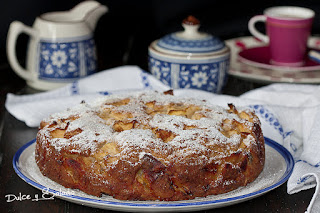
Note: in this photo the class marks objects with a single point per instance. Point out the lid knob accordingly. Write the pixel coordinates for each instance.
(191, 20)
(191, 26)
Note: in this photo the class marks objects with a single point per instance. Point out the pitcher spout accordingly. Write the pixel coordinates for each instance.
(90, 12)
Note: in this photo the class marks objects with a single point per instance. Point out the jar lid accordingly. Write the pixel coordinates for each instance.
(189, 41)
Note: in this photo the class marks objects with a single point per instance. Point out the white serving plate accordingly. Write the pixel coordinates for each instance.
(278, 167)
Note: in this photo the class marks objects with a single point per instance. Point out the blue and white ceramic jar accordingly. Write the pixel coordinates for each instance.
(190, 59)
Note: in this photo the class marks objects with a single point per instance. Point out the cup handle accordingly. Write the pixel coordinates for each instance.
(254, 31)
(15, 29)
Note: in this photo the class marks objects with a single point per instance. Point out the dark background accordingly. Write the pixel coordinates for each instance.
(122, 37)
(124, 33)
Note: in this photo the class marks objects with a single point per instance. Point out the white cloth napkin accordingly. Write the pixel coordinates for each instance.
(290, 114)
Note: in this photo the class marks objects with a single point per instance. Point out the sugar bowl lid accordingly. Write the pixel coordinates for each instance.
(189, 41)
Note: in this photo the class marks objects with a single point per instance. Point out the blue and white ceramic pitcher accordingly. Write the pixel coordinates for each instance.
(61, 47)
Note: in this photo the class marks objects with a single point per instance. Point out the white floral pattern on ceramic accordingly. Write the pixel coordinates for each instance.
(66, 61)
(205, 76)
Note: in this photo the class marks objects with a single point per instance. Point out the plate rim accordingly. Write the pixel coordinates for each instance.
(286, 155)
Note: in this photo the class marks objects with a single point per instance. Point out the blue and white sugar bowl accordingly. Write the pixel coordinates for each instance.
(190, 59)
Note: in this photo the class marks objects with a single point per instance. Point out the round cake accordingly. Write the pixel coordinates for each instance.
(151, 146)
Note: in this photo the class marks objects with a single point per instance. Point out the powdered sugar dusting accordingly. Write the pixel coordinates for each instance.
(146, 123)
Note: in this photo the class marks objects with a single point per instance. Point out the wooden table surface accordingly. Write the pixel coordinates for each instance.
(15, 134)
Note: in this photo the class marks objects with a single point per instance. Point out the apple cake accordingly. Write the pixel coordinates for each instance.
(151, 146)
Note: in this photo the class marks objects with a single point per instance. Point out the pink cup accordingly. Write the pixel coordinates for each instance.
(288, 29)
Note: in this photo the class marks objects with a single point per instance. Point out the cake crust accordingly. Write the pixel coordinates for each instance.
(151, 146)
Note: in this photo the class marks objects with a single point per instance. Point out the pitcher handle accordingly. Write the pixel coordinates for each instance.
(15, 29)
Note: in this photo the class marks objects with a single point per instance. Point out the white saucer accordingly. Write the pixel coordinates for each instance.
(262, 72)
